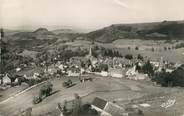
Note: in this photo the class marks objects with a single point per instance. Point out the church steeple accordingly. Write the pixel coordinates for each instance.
(90, 51)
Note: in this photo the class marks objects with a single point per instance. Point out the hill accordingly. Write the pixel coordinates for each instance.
(40, 37)
(156, 31)
(166, 30)
(60, 31)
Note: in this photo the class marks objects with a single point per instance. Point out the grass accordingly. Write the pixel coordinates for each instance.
(111, 89)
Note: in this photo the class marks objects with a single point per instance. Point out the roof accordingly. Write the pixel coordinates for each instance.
(114, 109)
(118, 71)
(100, 103)
(29, 72)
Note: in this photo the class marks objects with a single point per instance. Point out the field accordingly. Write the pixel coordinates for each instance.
(121, 91)
(145, 49)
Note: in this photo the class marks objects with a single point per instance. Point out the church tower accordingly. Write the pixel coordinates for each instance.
(90, 51)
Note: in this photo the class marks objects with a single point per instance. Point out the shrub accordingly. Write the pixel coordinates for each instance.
(136, 48)
(152, 49)
(103, 67)
(148, 68)
(140, 57)
(37, 100)
(93, 112)
(46, 89)
(129, 56)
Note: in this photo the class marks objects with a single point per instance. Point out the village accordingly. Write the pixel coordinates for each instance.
(72, 71)
(117, 67)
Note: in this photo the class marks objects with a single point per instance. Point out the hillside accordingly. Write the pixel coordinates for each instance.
(40, 37)
(60, 31)
(156, 31)
(166, 30)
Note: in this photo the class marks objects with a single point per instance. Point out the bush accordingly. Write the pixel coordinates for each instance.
(46, 89)
(93, 112)
(140, 57)
(148, 68)
(88, 111)
(129, 56)
(180, 45)
(86, 108)
(136, 48)
(31, 82)
(37, 100)
(103, 67)
(152, 49)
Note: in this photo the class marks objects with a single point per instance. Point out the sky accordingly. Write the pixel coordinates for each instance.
(86, 14)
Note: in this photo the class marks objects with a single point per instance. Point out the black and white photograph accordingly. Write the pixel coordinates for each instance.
(91, 58)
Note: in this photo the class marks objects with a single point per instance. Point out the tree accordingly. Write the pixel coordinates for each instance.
(46, 89)
(86, 107)
(129, 56)
(136, 48)
(82, 64)
(103, 67)
(175, 78)
(76, 105)
(140, 57)
(152, 49)
(148, 68)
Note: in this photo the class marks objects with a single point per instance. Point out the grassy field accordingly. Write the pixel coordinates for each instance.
(111, 89)
(145, 49)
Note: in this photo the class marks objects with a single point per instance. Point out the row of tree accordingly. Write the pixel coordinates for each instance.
(167, 79)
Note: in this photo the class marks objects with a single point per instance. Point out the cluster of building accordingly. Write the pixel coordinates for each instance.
(104, 66)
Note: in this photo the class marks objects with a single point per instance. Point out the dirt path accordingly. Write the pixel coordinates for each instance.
(15, 95)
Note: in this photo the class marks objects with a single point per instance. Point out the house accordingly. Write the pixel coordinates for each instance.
(73, 74)
(169, 70)
(138, 76)
(30, 73)
(52, 70)
(6, 79)
(107, 108)
(18, 69)
(73, 71)
(135, 75)
(115, 72)
(114, 109)
(61, 67)
(99, 105)
(104, 73)
(131, 72)
(82, 70)
(156, 64)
